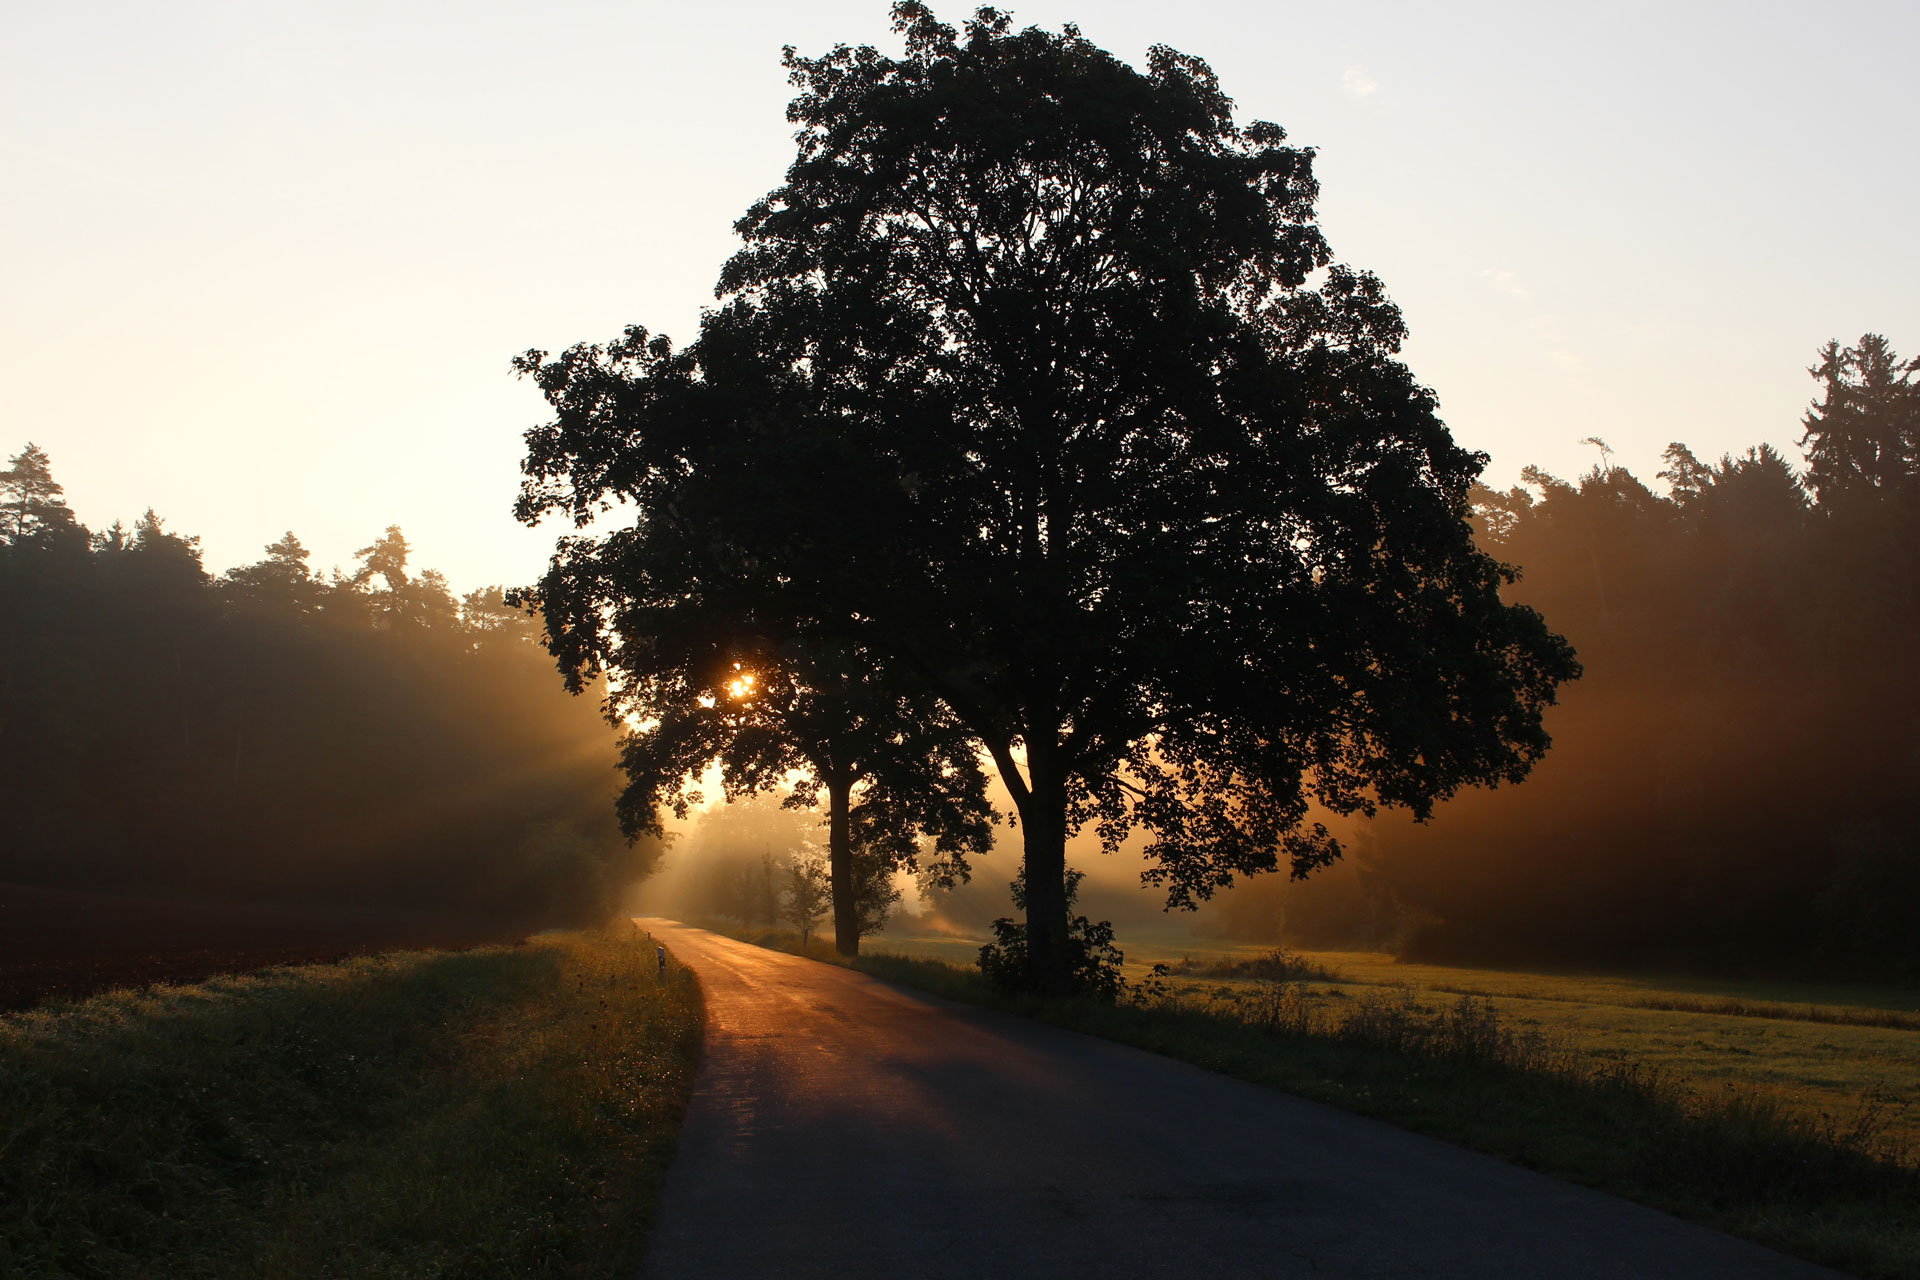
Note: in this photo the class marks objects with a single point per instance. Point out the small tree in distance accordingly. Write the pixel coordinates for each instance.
(874, 894)
(807, 895)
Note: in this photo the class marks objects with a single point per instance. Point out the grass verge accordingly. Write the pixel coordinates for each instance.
(505, 1111)
(1832, 1189)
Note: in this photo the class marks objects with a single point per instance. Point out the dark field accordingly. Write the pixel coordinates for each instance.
(72, 943)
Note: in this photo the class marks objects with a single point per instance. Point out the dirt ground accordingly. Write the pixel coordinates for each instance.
(70, 943)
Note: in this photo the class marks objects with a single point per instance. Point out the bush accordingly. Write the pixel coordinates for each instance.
(1093, 962)
(1279, 964)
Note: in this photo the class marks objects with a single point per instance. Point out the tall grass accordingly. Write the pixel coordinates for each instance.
(499, 1112)
(1278, 963)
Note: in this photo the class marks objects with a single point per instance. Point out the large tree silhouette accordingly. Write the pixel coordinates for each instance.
(1037, 377)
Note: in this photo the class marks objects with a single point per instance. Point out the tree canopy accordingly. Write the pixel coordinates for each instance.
(898, 781)
(1862, 437)
(31, 501)
(1037, 380)
(713, 665)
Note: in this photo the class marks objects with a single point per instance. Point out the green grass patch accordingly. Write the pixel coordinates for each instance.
(1839, 1187)
(505, 1111)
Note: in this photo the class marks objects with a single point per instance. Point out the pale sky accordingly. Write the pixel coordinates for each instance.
(263, 265)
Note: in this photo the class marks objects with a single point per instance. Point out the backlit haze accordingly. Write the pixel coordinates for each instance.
(265, 265)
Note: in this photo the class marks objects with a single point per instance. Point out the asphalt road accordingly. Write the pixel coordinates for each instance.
(845, 1128)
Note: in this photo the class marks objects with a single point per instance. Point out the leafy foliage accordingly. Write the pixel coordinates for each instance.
(806, 897)
(708, 674)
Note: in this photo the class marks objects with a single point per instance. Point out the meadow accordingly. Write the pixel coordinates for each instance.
(501, 1111)
(1851, 1054)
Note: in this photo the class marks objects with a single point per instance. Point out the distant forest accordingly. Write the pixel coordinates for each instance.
(1735, 782)
(363, 738)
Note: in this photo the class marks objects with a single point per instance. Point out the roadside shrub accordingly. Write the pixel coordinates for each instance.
(1093, 962)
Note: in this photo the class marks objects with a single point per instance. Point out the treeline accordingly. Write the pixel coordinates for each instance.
(1735, 782)
(273, 733)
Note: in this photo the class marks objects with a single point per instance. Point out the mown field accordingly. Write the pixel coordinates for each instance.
(502, 1111)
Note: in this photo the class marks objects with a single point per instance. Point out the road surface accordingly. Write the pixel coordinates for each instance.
(842, 1127)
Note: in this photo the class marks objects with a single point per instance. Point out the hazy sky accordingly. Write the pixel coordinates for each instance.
(264, 264)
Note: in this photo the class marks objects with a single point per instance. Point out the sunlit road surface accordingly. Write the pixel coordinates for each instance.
(842, 1127)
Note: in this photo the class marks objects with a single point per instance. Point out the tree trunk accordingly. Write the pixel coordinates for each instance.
(846, 915)
(1044, 820)
(239, 743)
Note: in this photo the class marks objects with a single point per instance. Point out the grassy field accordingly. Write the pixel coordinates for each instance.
(1848, 1053)
(505, 1111)
(1804, 1144)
